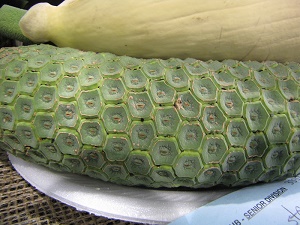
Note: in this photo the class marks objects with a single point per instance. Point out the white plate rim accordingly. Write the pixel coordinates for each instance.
(113, 201)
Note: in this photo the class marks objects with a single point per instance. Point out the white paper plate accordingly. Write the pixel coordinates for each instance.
(115, 201)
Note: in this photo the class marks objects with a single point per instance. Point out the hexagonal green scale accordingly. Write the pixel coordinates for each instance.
(264, 79)
(234, 160)
(13, 141)
(274, 101)
(178, 79)
(68, 141)
(248, 89)
(141, 134)
(7, 117)
(163, 174)
(153, 69)
(276, 156)
(130, 62)
(293, 66)
(289, 89)
(270, 175)
(294, 143)
(278, 129)
(167, 120)
(115, 171)
(188, 164)
(142, 180)
(45, 125)
(164, 150)
(294, 112)
(229, 63)
(205, 89)
(139, 162)
(278, 70)
(45, 98)
(116, 118)
(90, 102)
(135, 79)
(15, 69)
(92, 156)
(73, 66)
(58, 166)
(49, 150)
(237, 132)
(172, 63)
(140, 105)
(6, 59)
(96, 173)
(192, 61)
(111, 69)
(256, 144)
(292, 164)
(224, 79)
(254, 65)
(38, 48)
(190, 135)
(188, 106)
(296, 76)
(8, 91)
(228, 178)
(37, 156)
(51, 72)
(256, 116)
(113, 90)
(251, 170)
(92, 132)
(231, 102)
(94, 59)
(162, 93)
(213, 148)
(213, 119)
(67, 114)
(26, 135)
(240, 71)
(28, 83)
(38, 61)
(184, 182)
(68, 87)
(61, 57)
(117, 147)
(110, 57)
(196, 68)
(74, 163)
(210, 174)
(214, 65)
(89, 77)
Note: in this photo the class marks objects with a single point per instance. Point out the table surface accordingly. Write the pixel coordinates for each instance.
(20, 203)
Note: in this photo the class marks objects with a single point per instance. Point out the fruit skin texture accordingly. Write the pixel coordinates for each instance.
(151, 122)
(242, 30)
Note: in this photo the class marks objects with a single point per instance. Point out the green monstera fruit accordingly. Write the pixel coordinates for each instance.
(151, 122)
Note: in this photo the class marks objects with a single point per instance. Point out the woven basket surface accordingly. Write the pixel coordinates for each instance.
(21, 203)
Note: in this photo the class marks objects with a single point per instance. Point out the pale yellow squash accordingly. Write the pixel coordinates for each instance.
(203, 29)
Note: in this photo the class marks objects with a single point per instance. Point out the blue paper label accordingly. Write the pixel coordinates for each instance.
(274, 203)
